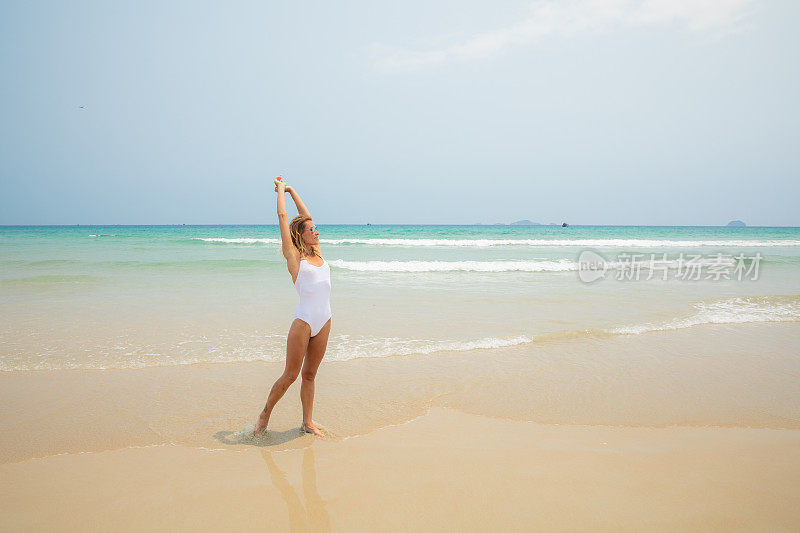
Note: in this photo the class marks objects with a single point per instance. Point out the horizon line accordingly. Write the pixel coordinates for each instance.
(396, 224)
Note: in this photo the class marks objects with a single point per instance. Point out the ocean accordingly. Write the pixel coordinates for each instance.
(125, 297)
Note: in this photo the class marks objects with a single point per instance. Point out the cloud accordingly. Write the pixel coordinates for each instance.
(547, 18)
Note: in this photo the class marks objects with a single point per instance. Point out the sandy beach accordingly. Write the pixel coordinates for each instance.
(532, 437)
(443, 471)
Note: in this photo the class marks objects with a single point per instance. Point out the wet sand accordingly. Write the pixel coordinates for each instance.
(697, 428)
(444, 471)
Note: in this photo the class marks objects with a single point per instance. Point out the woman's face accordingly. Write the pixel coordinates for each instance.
(310, 234)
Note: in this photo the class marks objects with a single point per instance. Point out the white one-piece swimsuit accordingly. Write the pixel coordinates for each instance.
(313, 284)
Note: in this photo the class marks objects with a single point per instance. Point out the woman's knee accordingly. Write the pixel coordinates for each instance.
(308, 375)
(289, 377)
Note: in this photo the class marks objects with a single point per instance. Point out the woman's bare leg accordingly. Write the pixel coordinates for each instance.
(316, 350)
(296, 344)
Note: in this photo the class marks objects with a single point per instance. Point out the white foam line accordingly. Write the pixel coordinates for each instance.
(344, 348)
(340, 349)
(731, 311)
(562, 265)
(480, 243)
(238, 241)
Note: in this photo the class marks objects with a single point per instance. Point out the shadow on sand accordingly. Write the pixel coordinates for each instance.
(268, 438)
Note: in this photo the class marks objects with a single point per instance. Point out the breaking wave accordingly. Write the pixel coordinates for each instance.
(482, 243)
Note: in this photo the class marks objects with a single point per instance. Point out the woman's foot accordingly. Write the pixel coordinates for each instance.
(311, 428)
(261, 425)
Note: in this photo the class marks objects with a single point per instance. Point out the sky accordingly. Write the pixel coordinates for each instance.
(642, 112)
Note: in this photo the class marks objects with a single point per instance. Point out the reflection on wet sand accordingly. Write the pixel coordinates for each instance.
(312, 517)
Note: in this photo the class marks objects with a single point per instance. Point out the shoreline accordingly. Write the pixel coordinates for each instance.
(707, 376)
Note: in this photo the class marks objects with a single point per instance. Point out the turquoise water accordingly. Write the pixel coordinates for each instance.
(133, 296)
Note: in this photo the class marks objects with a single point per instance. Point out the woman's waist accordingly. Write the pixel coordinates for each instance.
(314, 307)
(315, 299)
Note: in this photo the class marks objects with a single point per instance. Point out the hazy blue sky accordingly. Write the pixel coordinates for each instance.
(589, 111)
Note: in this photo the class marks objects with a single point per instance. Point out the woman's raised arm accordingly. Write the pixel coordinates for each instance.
(301, 207)
(289, 251)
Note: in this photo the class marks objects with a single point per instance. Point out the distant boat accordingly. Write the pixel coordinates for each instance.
(564, 225)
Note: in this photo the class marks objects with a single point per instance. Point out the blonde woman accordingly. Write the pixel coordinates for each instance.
(308, 334)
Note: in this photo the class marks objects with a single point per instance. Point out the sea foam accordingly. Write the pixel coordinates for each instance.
(561, 265)
(271, 347)
(728, 311)
(482, 243)
(452, 266)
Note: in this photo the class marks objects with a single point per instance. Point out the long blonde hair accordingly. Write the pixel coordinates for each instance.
(296, 228)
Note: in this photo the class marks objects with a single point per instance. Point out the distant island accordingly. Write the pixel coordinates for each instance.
(525, 222)
(736, 224)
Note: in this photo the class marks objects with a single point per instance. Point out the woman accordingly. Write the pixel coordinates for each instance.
(308, 334)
